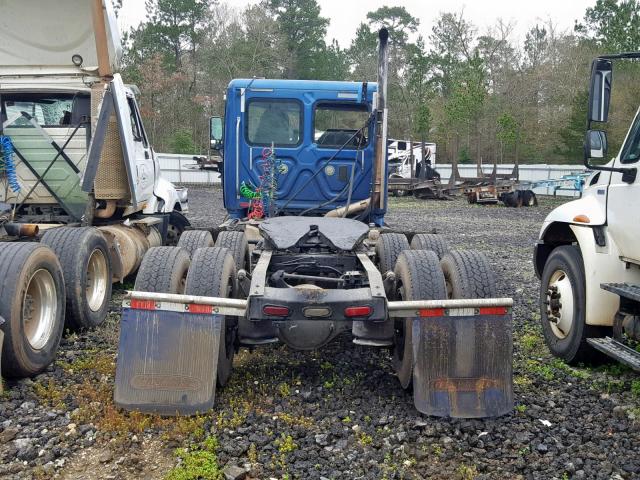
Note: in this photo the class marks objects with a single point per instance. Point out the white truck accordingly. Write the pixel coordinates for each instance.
(81, 194)
(588, 253)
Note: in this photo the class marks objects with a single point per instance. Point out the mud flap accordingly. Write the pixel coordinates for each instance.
(1, 342)
(463, 362)
(167, 360)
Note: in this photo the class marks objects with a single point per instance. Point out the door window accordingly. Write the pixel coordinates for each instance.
(631, 150)
(274, 121)
(136, 122)
(337, 125)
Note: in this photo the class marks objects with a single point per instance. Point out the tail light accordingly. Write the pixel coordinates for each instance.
(361, 311)
(275, 311)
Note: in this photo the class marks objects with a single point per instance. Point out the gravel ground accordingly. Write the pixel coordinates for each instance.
(338, 413)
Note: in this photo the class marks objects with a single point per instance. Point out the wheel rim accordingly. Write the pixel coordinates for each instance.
(173, 233)
(96, 286)
(39, 308)
(559, 303)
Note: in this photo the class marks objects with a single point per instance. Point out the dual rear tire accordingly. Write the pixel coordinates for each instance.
(195, 267)
(432, 273)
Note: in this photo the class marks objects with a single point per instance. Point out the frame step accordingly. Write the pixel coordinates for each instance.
(624, 290)
(617, 350)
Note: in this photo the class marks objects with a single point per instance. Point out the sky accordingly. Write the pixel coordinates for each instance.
(346, 15)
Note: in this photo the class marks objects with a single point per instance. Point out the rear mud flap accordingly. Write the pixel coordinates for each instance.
(463, 364)
(167, 361)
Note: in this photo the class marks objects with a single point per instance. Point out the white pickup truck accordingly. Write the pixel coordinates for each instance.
(588, 253)
(81, 193)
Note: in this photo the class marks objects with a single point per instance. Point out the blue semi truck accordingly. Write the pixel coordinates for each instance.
(305, 256)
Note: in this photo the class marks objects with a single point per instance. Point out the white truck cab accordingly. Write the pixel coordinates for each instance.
(82, 197)
(588, 255)
(52, 84)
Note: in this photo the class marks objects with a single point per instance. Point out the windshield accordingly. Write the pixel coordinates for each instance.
(631, 150)
(48, 111)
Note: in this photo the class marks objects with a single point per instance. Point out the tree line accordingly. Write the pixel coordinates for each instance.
(477, 94)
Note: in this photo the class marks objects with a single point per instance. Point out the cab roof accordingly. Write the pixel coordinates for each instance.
(265, 83)
(40, 38)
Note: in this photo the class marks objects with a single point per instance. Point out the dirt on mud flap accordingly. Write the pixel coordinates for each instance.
(167, 357)
(462, 351)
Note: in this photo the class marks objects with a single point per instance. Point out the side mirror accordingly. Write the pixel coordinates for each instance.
(600, 90)
(215, 132)
(595, 144)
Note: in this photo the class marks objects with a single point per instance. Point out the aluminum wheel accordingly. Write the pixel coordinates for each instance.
(560, 303)
(39, 308)
(96, 286)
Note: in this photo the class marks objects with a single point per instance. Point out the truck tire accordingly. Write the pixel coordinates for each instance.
(418, 277)
(191, 240)
(430, 241)
(529, 198)
(467, 274)
(84, 255)
(513, 199)
(567, 338)
(163, 270)
(388, 249)
(177, 225)
(212, 274)
(236, 243)
(32, 303)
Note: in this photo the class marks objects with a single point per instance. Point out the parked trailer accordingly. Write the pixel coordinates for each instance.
(305, 257)
(81, 195)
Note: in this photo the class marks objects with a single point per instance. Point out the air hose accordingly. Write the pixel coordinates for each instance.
(6, 164)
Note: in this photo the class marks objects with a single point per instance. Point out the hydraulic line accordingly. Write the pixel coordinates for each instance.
(7, 166)
(330, 159)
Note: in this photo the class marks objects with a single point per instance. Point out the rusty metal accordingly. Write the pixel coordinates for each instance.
(21, 229)
(463, 365)
(379, 177)
(128, 244)
(107, 211)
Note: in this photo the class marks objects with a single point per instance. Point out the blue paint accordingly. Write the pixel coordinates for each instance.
(302, 159)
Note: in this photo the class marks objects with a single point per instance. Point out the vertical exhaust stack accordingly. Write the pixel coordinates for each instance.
(380, 178)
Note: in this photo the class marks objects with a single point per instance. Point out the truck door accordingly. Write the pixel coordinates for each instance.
(144, 159)
(137, 154)
(623, 206)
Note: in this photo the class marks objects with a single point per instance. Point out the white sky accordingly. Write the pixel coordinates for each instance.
(346, 15)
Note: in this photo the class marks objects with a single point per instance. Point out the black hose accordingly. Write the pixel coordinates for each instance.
(311, 209)
(317, 172)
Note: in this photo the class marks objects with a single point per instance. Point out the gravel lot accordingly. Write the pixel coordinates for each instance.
(338, 413)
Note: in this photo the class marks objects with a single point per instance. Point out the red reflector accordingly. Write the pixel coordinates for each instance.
(143, 304)
(364, 311)
(493, 310)
(432, 312)
(198, 308)
(275, 311)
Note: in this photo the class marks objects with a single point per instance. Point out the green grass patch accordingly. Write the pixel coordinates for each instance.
(199, 463)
